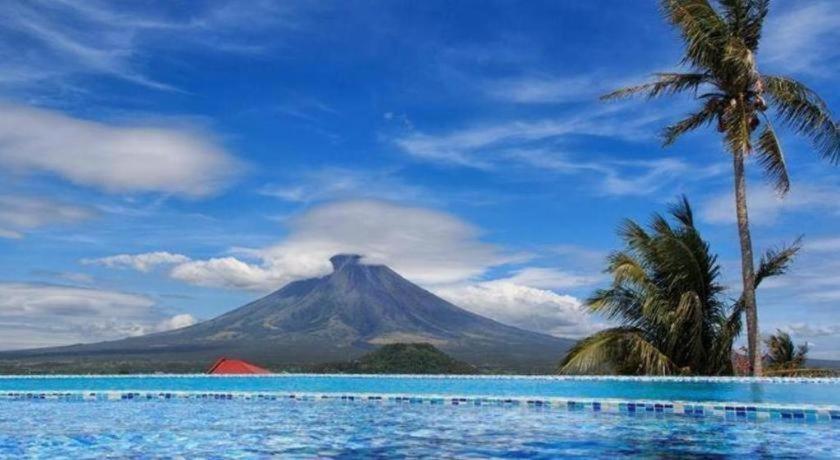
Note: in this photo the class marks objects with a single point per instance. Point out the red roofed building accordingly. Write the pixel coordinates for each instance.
(235, 366)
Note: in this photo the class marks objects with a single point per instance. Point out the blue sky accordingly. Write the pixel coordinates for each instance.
(163, 162)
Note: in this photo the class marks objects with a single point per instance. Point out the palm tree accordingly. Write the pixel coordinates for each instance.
(667, 297)
(781, 353)
(721, 43)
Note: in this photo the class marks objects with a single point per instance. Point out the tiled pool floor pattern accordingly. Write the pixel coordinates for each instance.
(734, 411)
(215, 427)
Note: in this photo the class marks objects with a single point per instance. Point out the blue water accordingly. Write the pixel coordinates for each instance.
(306, 429)
(242, 428)
(822, 393)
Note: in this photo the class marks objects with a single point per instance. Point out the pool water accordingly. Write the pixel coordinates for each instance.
(334, 428)
(780, 391)
(413, 416)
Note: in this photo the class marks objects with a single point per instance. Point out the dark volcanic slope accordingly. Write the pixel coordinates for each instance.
(336, 317)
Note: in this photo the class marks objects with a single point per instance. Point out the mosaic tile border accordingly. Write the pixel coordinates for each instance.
(617, 378)
(701, 410)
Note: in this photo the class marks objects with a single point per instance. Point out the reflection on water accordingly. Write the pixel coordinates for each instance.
(756, 392)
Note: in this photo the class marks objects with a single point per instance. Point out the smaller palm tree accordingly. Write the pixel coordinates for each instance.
(782, 355)
(667, 296)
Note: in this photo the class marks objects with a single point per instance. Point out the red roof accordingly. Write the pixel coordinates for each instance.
(235, 366)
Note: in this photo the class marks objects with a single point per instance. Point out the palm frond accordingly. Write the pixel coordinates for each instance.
(700, 118)
(756, 12)
(771, 158)
(681, 210)
(618, 303)
(745, 19)
(805, 112)
(776, 261)
(623, 349)
(687, 327)
(666, 83)
(702, 30)
(626, 269)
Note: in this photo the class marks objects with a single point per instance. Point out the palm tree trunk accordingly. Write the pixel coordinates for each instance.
(747, 270)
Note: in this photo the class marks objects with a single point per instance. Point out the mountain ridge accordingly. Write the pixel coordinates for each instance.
(340, 316)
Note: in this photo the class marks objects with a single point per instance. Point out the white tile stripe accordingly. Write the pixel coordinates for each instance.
(761, 411)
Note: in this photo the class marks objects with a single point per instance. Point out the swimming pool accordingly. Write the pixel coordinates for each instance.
(363, 416)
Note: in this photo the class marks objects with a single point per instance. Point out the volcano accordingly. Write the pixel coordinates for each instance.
(338, 317)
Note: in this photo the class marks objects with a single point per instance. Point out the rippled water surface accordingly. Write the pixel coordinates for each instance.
(288, 428)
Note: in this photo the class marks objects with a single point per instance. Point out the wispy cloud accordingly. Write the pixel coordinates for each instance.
(766, 206)
(505, 147)
(473, 146)
(811, 330)
(551, 278)
(543, 90)
(19, 214)
(335, 183)
(69, 38)
(803, 38)
(823, 245)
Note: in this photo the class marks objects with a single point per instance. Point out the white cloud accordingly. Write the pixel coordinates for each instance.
(803, 39)
(21, 213)
(522, 306)
(140, 262)
(110, 157)
(426, 246)
(35, 315)
(176, 322)
(230, 272)
(765, 205)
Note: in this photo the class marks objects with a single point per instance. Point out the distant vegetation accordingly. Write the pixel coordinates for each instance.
(784, 359)
(399, 358)
(403, 358)
(782, 354)
(667, 295)
(101, 366)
